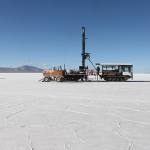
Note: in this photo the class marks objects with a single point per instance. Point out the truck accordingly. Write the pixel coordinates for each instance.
(60, 75)
(115, 72)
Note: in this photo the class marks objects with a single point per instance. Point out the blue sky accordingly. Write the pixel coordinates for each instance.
(48, 32)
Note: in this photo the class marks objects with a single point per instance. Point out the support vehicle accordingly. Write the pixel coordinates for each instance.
(116, 72)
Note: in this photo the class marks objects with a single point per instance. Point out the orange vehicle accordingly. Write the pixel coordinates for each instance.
(63, 75)
(57, 75)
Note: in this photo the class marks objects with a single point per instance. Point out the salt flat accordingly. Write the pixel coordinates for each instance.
(74, 115)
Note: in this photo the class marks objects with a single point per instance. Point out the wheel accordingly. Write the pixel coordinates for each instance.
(125, 79)
(46, 79)
(106, 79)
(115, 79)
(110, 79)
(59, 79)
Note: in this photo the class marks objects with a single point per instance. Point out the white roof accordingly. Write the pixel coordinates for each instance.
(114, 64)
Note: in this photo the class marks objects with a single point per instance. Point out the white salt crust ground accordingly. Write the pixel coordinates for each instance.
(74, 115)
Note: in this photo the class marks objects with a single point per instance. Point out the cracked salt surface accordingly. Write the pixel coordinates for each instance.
(74, 116)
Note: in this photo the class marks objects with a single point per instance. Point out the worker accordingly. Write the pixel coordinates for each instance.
(98, 70)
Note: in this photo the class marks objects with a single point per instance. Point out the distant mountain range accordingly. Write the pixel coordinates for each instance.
(22, 69)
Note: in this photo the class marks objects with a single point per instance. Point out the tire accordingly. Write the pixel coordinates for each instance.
(106, 79)
(109, 79)
(59, 79)
(46, 79)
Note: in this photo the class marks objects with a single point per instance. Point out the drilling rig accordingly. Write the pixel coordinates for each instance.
(108, 72)
(84, 54)
(58, 74)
